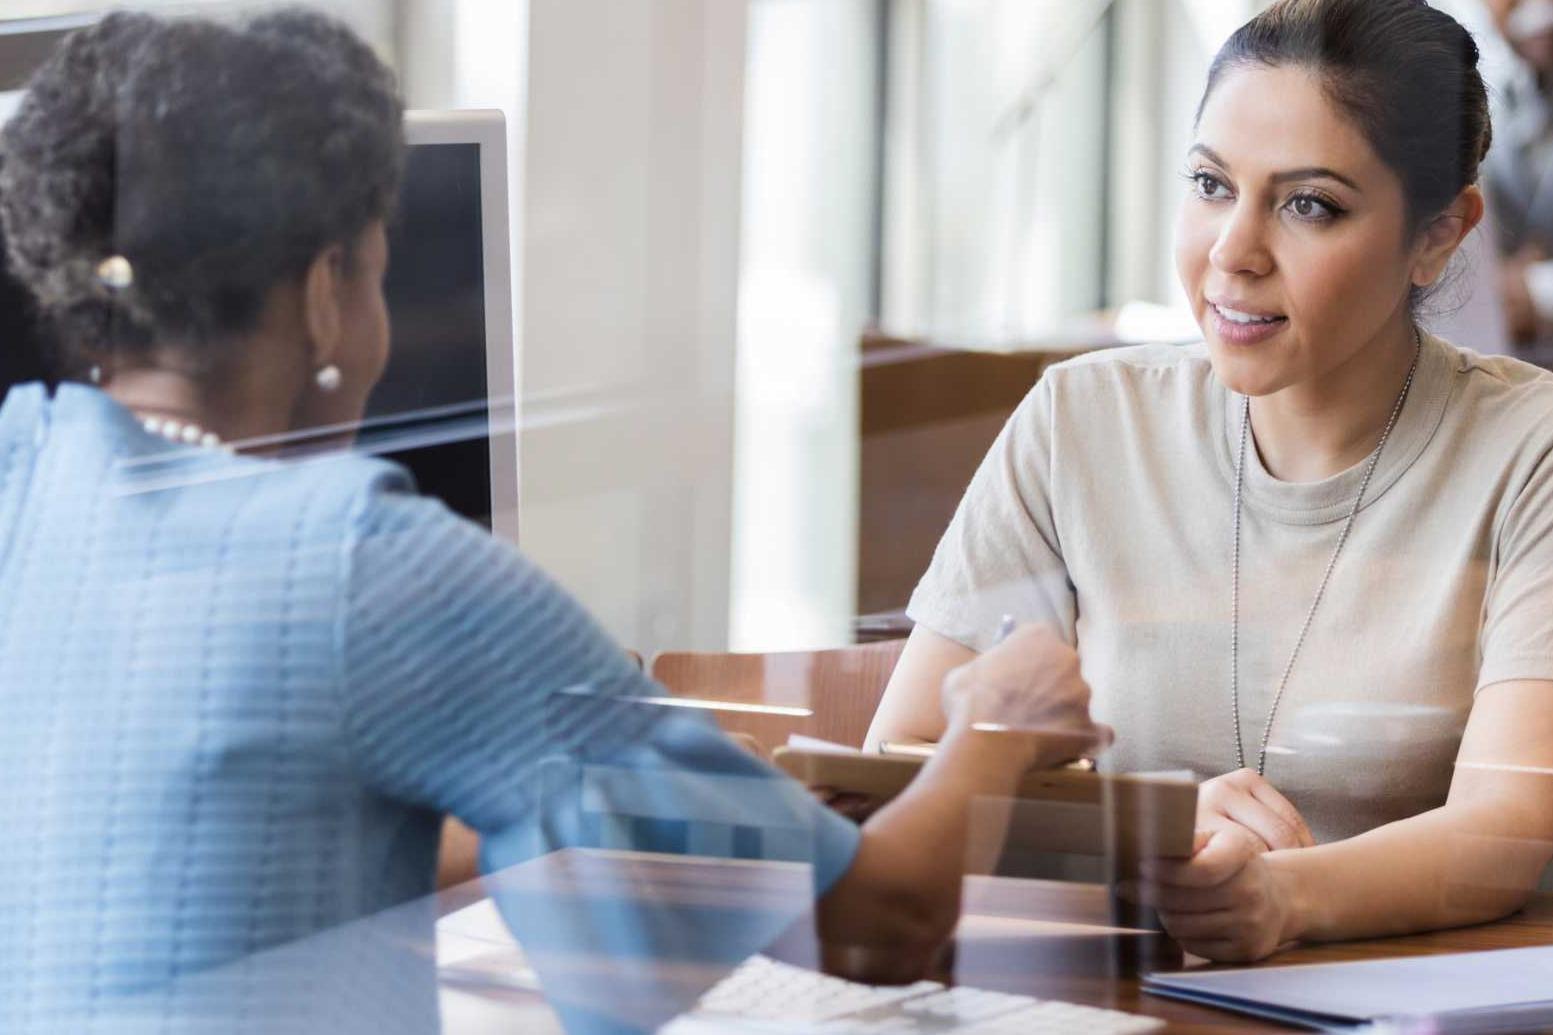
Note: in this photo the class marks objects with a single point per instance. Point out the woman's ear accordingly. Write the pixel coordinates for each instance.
(323, 305)
(1439, 240)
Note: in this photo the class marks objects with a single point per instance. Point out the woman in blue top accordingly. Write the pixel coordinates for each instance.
(237, 694)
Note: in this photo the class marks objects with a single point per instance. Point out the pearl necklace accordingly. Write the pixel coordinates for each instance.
(1342, 538)
(183, 432)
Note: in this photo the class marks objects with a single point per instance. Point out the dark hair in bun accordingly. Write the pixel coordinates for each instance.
(218, 159)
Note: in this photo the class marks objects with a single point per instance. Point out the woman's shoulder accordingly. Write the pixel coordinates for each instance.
(1497, 373)
(366, 498)
(360, 511)
(390, 521)
(259, 506)
(1156, 392)
(1105, 369)
(1134, 378)
(1500, 390)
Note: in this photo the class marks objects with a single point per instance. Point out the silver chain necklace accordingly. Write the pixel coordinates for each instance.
(1342, 539)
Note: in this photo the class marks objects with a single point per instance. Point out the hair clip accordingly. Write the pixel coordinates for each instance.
(115, 273)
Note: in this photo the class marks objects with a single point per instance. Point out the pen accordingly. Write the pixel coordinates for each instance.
(901, 749)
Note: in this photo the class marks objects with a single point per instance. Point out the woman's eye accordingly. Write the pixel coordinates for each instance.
(1209, 186)
(1312, 209)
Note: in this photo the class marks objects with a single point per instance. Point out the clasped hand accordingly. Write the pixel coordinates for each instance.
(1230, 901)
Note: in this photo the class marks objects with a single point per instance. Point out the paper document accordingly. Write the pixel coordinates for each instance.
(1503, 990)
(799, 742)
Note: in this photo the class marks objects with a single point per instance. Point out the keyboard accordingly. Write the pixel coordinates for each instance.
(764, 995)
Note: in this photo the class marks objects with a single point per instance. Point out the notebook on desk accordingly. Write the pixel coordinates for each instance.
(1473, 993)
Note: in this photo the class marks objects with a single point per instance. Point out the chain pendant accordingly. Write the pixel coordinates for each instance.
(1342, 539)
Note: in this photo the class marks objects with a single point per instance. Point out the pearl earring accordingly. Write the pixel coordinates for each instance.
(115, 273)
(329, 378)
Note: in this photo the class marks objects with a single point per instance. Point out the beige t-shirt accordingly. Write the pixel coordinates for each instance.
(1105, 508)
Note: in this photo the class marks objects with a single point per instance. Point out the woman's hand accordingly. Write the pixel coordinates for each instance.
(1030, 683)
(1021, 704)
(1244, 799)
(1230, 902)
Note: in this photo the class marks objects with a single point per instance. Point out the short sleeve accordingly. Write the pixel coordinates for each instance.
(1517, 637)
(474, 685)
(1001, 554)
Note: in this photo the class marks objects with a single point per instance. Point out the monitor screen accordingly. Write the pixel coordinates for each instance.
(435, 389)
(430, 412)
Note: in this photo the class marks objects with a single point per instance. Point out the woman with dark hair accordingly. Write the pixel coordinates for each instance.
(239, 694)
(1314, 553)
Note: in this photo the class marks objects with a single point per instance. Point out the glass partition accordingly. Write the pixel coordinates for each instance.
(472, 559)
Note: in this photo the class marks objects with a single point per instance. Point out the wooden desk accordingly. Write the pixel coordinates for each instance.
(1040, 938)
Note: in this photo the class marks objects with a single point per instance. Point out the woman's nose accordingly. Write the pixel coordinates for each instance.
(1241, 246)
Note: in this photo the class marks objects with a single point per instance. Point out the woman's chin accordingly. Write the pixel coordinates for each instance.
(1245, 375)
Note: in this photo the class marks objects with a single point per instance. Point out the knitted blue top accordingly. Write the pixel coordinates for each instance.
(236, 698)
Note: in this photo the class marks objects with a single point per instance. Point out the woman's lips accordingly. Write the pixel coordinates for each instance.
(1238, 332)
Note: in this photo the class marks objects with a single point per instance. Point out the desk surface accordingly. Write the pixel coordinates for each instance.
(1041, 938)
(1014, 965)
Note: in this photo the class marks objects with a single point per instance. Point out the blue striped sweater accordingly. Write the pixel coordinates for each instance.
(237, 696)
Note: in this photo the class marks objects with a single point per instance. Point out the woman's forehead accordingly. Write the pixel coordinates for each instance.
(1266, 120)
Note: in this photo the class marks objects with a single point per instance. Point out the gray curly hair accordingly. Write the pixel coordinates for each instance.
(220, 160)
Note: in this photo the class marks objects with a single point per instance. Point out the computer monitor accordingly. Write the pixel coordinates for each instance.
(445, 407)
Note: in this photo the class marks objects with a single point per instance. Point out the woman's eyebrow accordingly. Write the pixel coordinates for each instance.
(1210, 154)
(1317, 172)
(1312, 172)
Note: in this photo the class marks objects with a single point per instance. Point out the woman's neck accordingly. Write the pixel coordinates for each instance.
(1312, 431)
(166, 392)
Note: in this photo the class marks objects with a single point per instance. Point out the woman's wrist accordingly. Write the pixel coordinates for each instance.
(1292, 877)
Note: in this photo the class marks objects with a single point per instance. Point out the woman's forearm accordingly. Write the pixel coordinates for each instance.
(1453, 866)
(911, 709)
